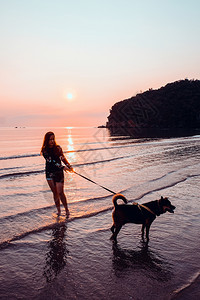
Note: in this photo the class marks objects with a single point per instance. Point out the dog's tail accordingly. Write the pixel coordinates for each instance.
(118, 196)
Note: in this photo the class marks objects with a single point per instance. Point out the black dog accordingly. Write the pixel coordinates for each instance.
(137, 213)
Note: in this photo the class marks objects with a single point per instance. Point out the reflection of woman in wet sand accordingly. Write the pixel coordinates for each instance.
(53, 155)
(56, 256)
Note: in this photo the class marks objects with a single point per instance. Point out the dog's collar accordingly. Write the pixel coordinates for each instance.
(141, 205)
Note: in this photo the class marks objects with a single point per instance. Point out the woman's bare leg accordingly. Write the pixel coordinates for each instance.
(60, 190)
(53, 188)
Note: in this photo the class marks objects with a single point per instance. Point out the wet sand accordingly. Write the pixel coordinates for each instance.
(77, 260)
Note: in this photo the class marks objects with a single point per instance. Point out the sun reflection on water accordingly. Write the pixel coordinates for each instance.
(70, 146)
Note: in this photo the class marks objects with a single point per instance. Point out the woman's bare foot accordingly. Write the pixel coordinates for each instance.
(67, 213)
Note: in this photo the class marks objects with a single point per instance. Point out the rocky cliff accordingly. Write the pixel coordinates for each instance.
(175, 106)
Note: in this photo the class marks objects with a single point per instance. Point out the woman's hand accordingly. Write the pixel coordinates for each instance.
(68, 168)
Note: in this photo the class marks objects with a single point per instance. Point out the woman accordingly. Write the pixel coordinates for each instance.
(53, 155)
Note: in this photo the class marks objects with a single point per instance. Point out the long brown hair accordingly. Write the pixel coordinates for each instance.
(45, 145)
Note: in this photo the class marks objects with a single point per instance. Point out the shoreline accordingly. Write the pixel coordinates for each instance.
(190, 290)
(139, 132)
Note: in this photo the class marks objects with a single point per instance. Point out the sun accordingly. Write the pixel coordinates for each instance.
(69, 96)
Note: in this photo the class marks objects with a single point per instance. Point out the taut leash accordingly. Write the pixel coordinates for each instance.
(94, 182)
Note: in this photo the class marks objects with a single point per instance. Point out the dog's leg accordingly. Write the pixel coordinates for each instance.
(143, 228)
(148, 224)
(113, 228)
(147, 233)
(117, 230)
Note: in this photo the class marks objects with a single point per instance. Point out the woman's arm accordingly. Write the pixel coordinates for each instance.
(65, 161)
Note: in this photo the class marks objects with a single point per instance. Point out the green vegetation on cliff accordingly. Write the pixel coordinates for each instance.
(174, 106)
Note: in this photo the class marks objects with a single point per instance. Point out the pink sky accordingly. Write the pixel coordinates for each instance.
(99, 51)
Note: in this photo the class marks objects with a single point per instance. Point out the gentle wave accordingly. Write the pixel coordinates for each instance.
(18, 156)
(25, 213)
(74, 218)
(43, 209)
(195, 279)
(67, 152)
(124, 145)
(37, 210)
(165, 187)
(7, 243)
(83, 164)
(74, 165)
(132, 143)
(21, 174)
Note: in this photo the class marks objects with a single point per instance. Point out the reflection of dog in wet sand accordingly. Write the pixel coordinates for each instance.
(136, 213)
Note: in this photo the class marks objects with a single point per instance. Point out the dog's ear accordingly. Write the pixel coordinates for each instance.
(161, 198)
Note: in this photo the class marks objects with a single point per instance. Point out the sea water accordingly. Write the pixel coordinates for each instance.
(45, 257)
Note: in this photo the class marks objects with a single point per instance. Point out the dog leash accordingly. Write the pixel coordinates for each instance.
(141, 205)
(94, 182)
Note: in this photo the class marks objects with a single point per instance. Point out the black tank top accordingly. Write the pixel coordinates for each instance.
(53, 161)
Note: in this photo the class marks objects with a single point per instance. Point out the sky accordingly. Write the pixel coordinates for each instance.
(65, 63)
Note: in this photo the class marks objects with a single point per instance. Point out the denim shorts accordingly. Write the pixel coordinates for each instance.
(57, 176)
